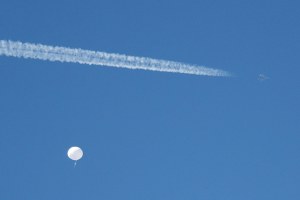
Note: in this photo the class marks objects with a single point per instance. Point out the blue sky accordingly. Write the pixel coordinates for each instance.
(150, 135)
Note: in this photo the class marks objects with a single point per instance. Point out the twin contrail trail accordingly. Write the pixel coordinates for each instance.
(64, 54)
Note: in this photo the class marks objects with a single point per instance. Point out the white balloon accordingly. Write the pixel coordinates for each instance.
(75, 153)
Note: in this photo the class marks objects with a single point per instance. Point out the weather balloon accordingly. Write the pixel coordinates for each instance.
(75, 153)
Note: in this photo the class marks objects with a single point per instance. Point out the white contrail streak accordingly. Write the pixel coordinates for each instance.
(63, 54)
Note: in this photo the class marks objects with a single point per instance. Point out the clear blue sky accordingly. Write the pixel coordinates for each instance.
(150, 135)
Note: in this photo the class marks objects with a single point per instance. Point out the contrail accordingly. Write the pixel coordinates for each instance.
(63, 54)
